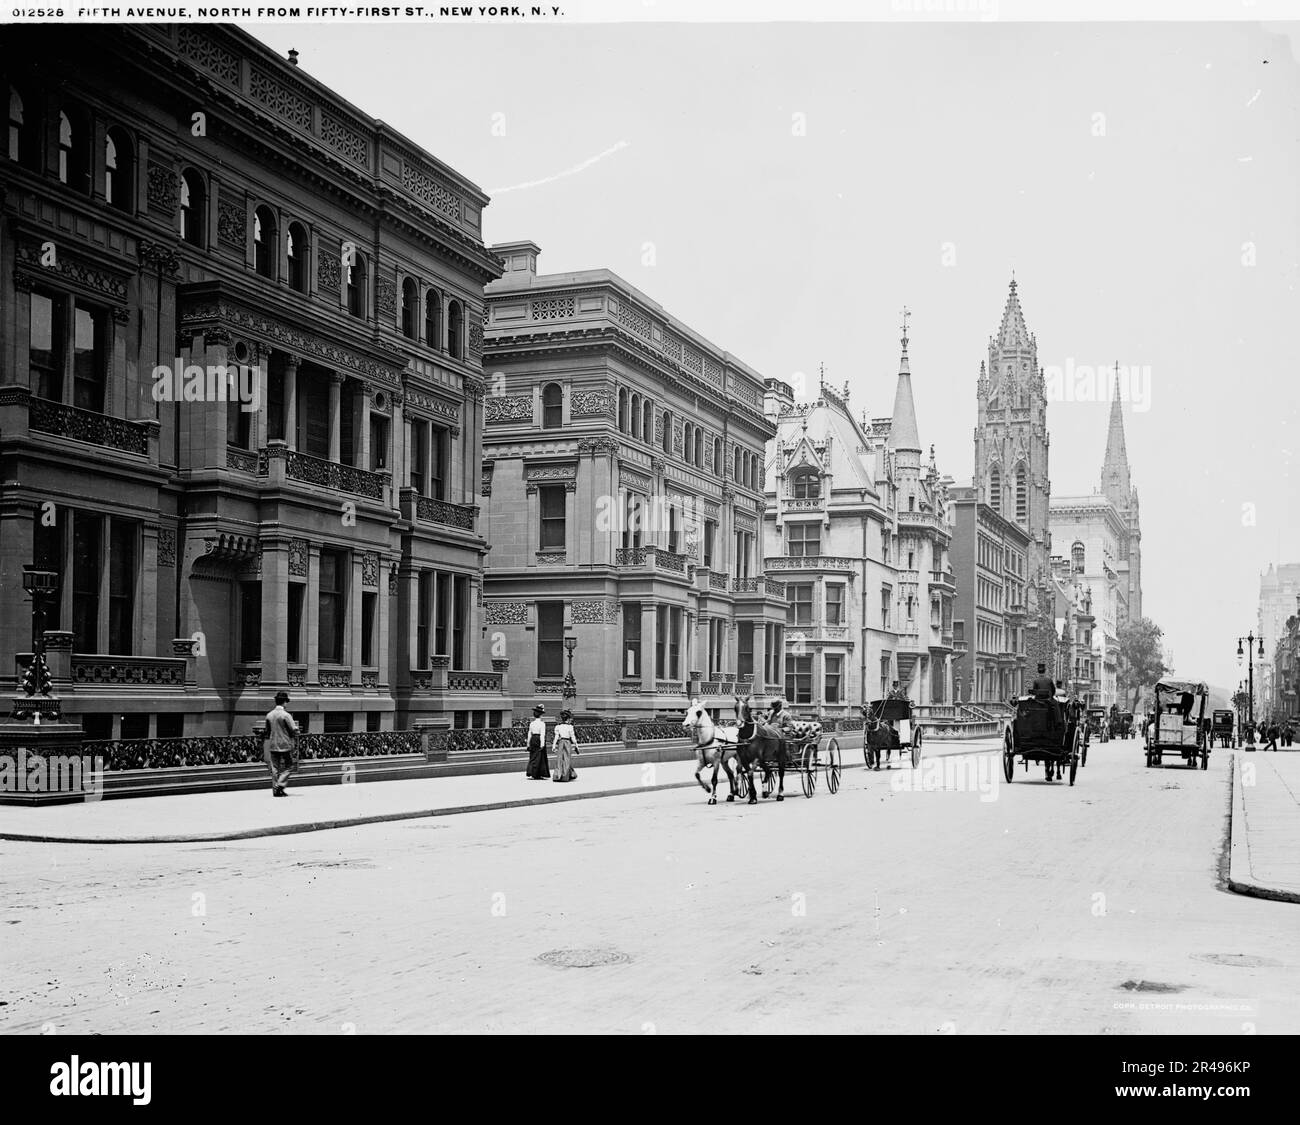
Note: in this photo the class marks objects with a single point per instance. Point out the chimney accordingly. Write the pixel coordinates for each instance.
(776, 396)
(519, 261)
(293, 57)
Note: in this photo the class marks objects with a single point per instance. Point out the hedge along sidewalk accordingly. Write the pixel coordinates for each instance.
(247, 814)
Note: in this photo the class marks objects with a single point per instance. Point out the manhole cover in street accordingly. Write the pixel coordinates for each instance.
(1151, 986)
(583, 958)
(336, 863)
(1240, 960)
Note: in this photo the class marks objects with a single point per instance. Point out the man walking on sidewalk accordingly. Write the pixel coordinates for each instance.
(281, 744)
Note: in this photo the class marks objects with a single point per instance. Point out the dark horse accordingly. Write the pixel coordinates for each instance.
(759, 745)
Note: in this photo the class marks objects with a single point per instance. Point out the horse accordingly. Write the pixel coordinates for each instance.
(760, 743)
(713, 744)
(884, 733)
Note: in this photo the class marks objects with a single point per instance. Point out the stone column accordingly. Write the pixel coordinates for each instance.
(760, 657)
(148, 595)
(355, 593)
(336, 388)
(648, 621)
(17, 531)
(362, 446)
(311, 614)
(382, 609)
(291, 402)
(275, 612)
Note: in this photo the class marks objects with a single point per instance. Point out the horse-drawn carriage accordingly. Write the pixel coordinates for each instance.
(1179, 726)
(890, 726)
(1098, 724)
(1046, 731)
(753, 743)
(1221, 728)
(1124, 725)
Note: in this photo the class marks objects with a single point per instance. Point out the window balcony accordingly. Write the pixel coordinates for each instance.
(944, 578)
(278, 461)
(72, 422)
(651, 558)
(835, 563)
(462, 516)
(761, 585)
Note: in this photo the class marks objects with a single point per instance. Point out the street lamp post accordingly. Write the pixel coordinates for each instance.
(570, 690)
(1250, 640)
(41, 585)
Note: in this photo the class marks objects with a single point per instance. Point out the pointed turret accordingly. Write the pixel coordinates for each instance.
(1013, 334)
(903, 431)
(1115, 484)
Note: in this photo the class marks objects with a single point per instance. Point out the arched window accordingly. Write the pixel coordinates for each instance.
(995, 489)
(299, 257)
(668, 432)
(455, 330)
(806, 486)
(552, 406)
(1076, 557)
(698, 460)
(193, 211)
(119, 169)
(265, 242)
(1022, 495)
(410, 305)
(647, 422)
(635, 420)
(74, 163)
(356, 284)
(717, 456)
(622, 411)
(433, 318)
(23, 132)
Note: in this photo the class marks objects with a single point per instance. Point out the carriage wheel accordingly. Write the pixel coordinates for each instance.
(1009, 756)
(833, 766)
(1074, 766)
(742, 784)
(916, 748)
(1075, 755)
(808, 770)
(1083, 753)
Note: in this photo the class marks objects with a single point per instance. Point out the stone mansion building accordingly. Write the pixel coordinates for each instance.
(178, 196)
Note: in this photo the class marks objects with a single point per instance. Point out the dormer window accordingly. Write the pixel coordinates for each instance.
(806, 486)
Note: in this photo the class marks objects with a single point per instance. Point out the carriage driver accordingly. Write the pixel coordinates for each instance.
(1043, 686)
(777, 719)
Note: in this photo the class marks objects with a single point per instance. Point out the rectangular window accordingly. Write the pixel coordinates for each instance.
(275, 403)
(238, 424)
(313, 420)
(661, 641)
(442, 611)
(805, 539)
(86, 566)
(884, 546)
(672, 529)
(551, 500)
(674, 643)
(418, 443)
(835, 603)
(798, 679)
(710, 534)
(45, 344)
(550, 639)
(633, 520)
(369, 602)
(47, 554)
(834, 664)
(423, 610)
(799, 597)
(378, 443)
(439, 447)
(135, 725)
(745, 648)
(885, 661)
(89, 358)
(121, 586)
(886, 598)
(338, 722)
(373, 719)
(250, 622)
(332, 606)
(297, 595)
(632, 640)
(459, 620)
(171, 724)
(348, 424)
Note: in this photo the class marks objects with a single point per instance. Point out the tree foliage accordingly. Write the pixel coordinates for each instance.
(1141, 660)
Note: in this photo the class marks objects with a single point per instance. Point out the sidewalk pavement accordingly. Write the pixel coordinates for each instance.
(1265, 851)
(249, 813)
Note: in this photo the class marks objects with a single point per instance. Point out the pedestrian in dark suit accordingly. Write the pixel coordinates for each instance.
(1043, 687)
(1272, 737)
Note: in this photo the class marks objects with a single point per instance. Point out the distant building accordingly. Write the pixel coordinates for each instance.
(1279, 589)
(1103, 535)
(1079, 653)
(857, 528)
(990, 561)
(1011, 464)
(623, 459)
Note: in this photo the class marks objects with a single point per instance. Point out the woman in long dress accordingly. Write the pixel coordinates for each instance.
(565, 746)
(537, 767)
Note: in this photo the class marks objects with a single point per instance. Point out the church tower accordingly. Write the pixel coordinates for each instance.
(1011, 460)
(1117, 487)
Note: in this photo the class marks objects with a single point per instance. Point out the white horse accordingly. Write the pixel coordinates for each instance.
(713, 746)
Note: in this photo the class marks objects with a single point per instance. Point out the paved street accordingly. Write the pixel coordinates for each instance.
(1022, 908)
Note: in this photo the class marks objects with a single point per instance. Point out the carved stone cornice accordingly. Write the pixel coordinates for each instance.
(158, 255)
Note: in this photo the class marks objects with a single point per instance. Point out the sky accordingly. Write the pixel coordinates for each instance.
(785, 189)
